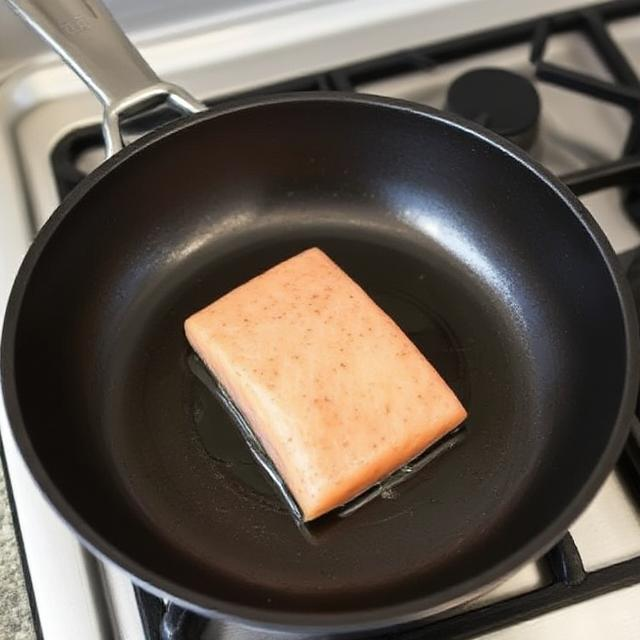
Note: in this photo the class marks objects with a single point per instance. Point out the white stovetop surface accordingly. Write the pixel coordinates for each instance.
(42, 101)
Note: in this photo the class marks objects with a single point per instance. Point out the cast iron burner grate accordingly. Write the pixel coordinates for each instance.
(570, 583)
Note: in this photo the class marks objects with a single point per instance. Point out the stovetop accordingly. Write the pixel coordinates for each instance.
(581, 66)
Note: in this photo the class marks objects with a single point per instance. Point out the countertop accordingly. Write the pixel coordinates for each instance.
(15, 612)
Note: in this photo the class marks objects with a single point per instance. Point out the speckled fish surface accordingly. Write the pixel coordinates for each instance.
(336, 393)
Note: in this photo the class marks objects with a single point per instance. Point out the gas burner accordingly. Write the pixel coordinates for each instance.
(500, 100)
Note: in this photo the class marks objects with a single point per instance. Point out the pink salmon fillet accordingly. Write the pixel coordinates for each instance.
(336, 393)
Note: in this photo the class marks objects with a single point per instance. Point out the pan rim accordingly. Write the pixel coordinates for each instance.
(360, 620)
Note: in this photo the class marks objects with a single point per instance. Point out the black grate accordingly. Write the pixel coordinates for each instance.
(569, 583)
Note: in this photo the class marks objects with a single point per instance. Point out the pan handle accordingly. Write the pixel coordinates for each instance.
(90, 41)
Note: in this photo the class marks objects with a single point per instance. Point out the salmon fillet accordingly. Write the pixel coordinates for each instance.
(337, 394)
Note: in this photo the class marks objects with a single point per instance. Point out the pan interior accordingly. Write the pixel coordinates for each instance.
(479, 261)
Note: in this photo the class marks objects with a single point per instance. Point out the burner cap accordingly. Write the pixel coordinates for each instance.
(500, 100)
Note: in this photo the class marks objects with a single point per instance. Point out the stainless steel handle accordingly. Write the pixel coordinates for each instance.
(90, 41)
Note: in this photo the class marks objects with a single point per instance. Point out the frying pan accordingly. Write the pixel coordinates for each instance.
(490, 265)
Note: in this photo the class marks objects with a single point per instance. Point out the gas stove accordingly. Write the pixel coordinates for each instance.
(564, 85)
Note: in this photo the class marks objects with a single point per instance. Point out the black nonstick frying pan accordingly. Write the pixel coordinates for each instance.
(488, 263)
